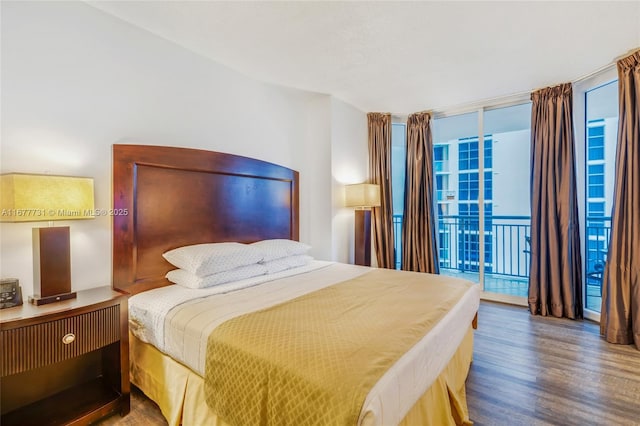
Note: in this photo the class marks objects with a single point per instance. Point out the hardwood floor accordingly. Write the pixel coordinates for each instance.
(143, 412)
(541, 371)
(526, 371)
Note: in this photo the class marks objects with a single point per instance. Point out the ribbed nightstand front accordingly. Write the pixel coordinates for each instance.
(67, 362)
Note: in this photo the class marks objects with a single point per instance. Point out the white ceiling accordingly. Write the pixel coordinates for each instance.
(400, 57)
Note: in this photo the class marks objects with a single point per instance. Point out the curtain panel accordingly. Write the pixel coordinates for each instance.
(620, 314)
(380, 173)
(555, 279)
(419, 233)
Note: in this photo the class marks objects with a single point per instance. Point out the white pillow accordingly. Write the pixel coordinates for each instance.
(285, 263)
(187, 279)
(207, 259)
(276, 249)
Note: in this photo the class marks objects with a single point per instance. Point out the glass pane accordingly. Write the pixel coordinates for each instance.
(398, 166)
(601, 134)
(458, 225)
(507, 200)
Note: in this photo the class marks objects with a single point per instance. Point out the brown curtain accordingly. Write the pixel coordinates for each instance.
(419, 235)
(555, 279)
(620, 315)
(380, 173)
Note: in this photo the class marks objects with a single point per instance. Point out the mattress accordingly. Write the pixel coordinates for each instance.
(178, 322)
(148, 311)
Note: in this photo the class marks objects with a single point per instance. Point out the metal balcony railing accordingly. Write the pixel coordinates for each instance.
(506, 244)
(397, 239)
(507, 247)
(598, 233)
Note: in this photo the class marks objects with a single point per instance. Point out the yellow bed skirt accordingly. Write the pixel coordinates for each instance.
(179, 392)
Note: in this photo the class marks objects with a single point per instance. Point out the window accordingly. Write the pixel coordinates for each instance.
(595, 140)
(456, 165)
(488, 185)
(398, 166)
(443, 245)
(468, 186)
(596, 209)
(442, 187)
(468, 154)
(595, 180)
(600, 134)
(458, 185)
(468, 209)
(441, 158)
(488, 148)
(467, 229)
(507, 220)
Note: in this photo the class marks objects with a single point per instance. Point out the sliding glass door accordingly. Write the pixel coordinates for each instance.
(600, 137)
(481, 163)
(398, 166)
(482, 183)
(507, 200)
(457, 169)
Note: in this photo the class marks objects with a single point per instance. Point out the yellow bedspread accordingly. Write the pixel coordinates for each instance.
(314, 359)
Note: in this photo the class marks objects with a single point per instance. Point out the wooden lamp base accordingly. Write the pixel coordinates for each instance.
(36, 300)
(363, 238)
(51, 265)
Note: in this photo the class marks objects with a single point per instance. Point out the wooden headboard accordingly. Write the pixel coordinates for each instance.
(166, 197)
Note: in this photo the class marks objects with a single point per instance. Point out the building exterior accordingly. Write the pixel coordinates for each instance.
(506, 202)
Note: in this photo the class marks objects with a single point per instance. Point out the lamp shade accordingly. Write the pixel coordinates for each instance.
(362, 195)
(34, 198)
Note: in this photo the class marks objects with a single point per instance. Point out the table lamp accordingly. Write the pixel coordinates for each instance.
(362, 196)
(37, 198)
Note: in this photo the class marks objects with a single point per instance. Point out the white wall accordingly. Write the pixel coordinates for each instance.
(349, 165)
(76, 80)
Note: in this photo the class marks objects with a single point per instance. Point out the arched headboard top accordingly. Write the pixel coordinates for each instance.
(166, 197)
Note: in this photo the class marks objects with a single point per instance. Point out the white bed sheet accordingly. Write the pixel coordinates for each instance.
(183, 333)
(148, 310)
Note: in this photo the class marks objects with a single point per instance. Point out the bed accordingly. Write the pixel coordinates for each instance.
(165, 198)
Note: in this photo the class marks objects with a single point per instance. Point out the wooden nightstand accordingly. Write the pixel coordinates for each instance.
(66, 362)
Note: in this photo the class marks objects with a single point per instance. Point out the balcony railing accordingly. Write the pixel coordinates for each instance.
(506, 244)
(507, 247)
(598, 232)
(397, 239)
(507, 240)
